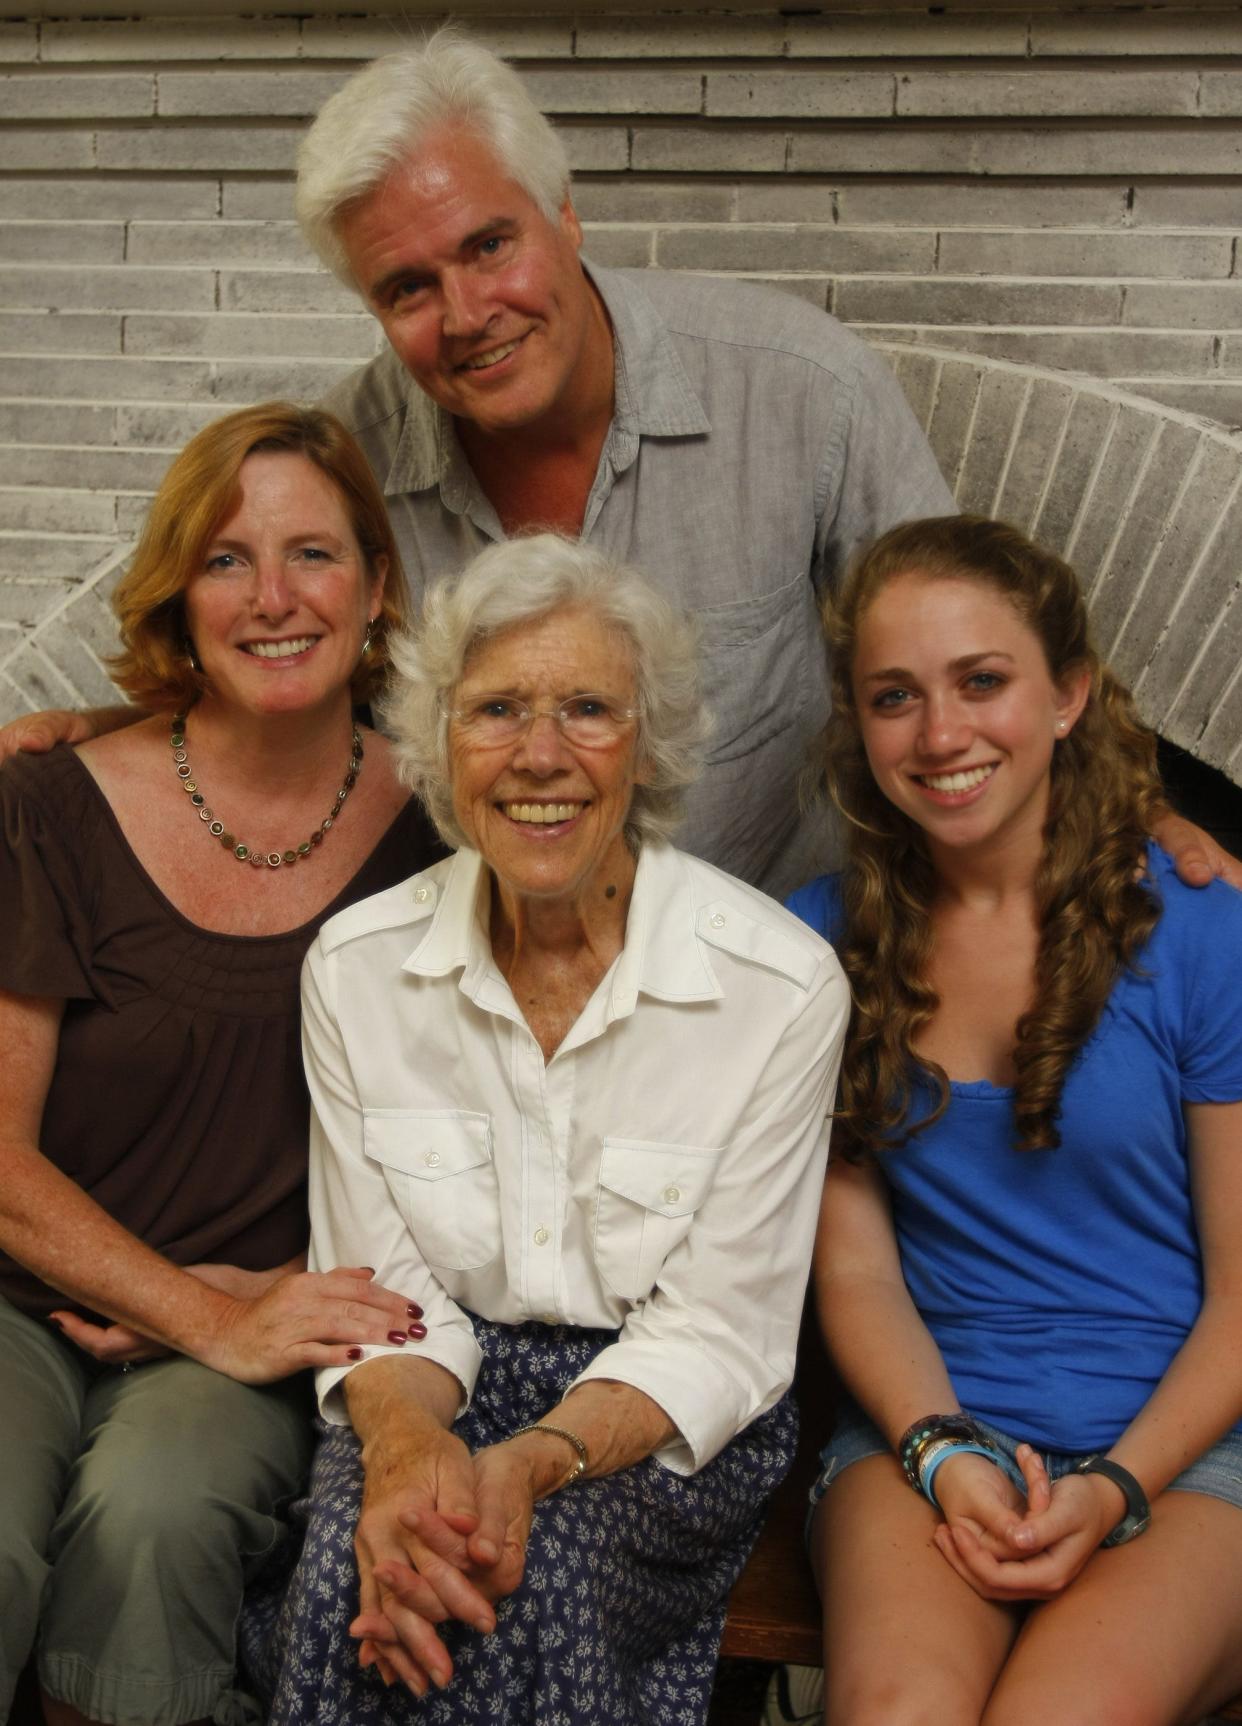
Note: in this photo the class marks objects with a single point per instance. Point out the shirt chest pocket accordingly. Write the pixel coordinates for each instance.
(648, 1195)
(439, 1169)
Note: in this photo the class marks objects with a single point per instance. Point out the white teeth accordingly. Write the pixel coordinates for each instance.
(542, 814)
(956, 781)
(490, 358)
(278, 649)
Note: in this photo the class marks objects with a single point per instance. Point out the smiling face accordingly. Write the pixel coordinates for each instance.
(958, 711)
(547, 816)
(482, 298)
(279, 607)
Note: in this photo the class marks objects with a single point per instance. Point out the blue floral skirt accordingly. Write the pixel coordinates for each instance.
(618, 1617)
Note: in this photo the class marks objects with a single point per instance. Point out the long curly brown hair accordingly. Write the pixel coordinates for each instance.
(1094, 910)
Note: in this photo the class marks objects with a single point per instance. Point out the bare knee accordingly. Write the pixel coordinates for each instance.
(888, 1699)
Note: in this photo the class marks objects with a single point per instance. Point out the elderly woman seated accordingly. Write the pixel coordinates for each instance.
(570, 1091)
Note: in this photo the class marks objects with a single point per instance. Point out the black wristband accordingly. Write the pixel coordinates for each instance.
(1138, 1511)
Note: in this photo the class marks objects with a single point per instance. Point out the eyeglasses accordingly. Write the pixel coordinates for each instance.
(587, 721)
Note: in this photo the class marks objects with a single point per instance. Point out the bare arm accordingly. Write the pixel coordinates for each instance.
(37, 732)
(57, 1231)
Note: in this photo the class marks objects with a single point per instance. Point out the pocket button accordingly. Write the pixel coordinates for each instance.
(431, 1159)
(671, 1195)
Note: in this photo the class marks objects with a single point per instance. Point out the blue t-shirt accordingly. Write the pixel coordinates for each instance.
(1059, 1284)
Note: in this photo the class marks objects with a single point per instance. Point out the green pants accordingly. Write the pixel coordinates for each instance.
(133, 1508)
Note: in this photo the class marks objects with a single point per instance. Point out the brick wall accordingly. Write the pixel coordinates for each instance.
(1050, 183)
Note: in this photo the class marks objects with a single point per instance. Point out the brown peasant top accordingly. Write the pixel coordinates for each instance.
(178, 1100)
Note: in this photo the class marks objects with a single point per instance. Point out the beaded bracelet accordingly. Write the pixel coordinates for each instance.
(917, 1438)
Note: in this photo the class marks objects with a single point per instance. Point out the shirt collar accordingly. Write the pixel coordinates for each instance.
(663, 955)
(653, 398)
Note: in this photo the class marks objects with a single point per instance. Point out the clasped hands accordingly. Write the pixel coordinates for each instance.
(442, 1535)
(1011, 1550)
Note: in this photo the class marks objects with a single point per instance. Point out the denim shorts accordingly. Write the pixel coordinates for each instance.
(1218, 1472)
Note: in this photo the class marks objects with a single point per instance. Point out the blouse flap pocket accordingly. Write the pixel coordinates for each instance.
(427, 1144)
(672, 1180)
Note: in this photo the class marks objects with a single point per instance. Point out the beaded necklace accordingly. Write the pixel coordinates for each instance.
(243, 852)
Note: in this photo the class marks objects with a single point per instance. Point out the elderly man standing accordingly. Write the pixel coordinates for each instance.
(733, 442)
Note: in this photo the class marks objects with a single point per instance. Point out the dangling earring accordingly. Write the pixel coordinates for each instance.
(192, 655)
(368, 638)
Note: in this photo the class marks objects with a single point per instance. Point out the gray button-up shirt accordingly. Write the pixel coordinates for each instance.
(755, 444)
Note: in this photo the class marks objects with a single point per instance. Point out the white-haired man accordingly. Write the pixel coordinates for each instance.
(733, 442)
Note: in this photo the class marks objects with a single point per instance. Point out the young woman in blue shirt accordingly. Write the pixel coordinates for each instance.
(1030, 1252)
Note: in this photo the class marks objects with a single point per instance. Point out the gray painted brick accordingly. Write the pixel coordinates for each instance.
(890, 299)
(825, 249)
(515, 38)
(60, 333)
(1119, 472)
(1212, 616)
(111, 288)
(288, 90)
(1212, 30)
(56, 422)
(595, 149)
(1167, 206)
(1230, 359)
(76, 662)
(55, 96)
(1101, 353)
(131, 513)
(1045, 91)
(101, 198)
(1036, 442)
(18, 42)
(39, 682)
(309, 290)
(146, 425)
(1186, 305)
(240, 382)
(814, 290)
(63, 242)
(1002, 396)
(800, 95)
(90, 468)
(953, 407)
(90, 617)
(12, 702)
(255, 200)
(917, 374)
(170, 39)
(1223, 733)
(637, 200)
(1043, 152)
(1222, 91)
(219, 245)
(27, 602)
(1090, 420)
(723, 149)
(573, 90)
(227, 334)
(949, 33)
(978, 204)
(620, 248)
(27, 147)
(45, 510)
(773, 200)
(1212, 398)
(121, 379)
(601, 38)
(197, 148)
(1077, 253)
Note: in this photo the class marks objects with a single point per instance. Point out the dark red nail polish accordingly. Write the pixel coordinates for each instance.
(414, 1310)
(396, 1336)
(353, 1354)
(418, 1331)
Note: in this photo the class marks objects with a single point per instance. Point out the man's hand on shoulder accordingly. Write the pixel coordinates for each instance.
(38, 732)
(1196, 856)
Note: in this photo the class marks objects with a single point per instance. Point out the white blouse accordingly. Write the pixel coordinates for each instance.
(660, 1174)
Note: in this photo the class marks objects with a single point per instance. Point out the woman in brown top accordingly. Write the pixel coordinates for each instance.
(152, 1109)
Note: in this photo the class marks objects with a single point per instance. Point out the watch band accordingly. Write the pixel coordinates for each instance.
(1138, 1510)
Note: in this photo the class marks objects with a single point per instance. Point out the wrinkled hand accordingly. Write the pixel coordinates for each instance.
(415, 1568)
(309, 1318)
(38, 732)
(1196, 856)
(1047, 1548)
(113, 1344)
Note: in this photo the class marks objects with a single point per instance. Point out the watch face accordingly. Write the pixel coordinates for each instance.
(1127, 1529)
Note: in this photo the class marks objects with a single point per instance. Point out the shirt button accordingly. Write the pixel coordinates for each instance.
(541, 1237)
(431, 1159)
(422, 894)
(671, 1195)
(717, 920)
